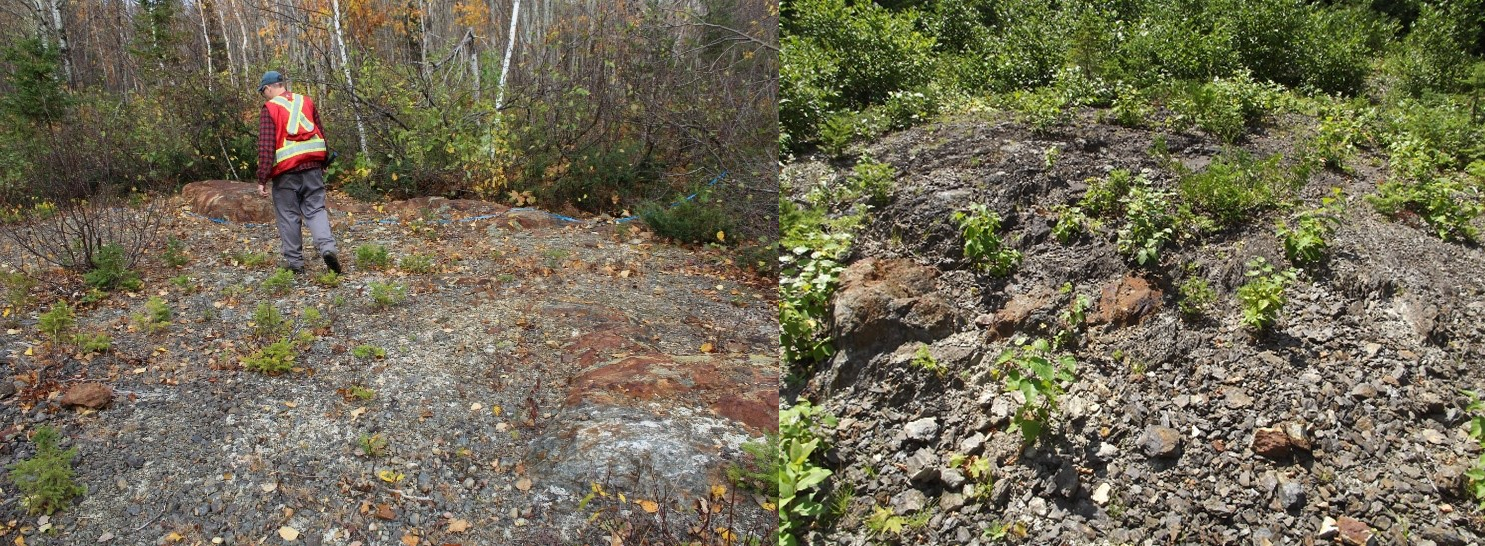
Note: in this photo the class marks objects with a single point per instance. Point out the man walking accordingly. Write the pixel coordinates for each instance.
(291, 156)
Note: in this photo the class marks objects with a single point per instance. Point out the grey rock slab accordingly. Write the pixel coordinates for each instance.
(909, 501)
(922, 466)
(922, 430)
(1291, 495)
(951, 477)
(1159, 441)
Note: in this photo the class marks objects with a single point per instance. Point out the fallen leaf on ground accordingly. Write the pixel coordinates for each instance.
(289, 533)
(648, 506)
(390, 476)
(410, 540)
(458, 526)
(385, 512)
(105, 537)
(475, 406)
(706, 347)
(269, 487)
(523, 484)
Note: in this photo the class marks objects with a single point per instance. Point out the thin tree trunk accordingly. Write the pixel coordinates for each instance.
(510, 46)
(206, 37)
(345, 68)
(237, 12)
(62, 47)
(474, 65)
(226, 41)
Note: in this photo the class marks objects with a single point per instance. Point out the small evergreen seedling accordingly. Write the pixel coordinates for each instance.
(368, 352)
(45, 479)
(156, 316)
(274, 359)
(58, 323)
(175, 252)
(384, 295)
(93, 343)
(279, 282)
(110, 270)
(417, 263)
(372, 257)
(328, 279)
(268, 322)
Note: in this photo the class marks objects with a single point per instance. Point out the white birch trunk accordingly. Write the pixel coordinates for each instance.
(206, 37)
(226, 42)
(474, 65)
(64, 51)
(345, 68)
(510, 47)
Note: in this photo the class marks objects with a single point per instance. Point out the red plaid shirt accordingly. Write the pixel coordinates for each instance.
(267, 146)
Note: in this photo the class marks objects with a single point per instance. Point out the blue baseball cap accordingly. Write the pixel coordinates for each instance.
(269, 77)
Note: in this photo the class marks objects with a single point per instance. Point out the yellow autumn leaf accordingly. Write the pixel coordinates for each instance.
(622, 499)
(390, 476)
(458, 526)
(719, 491)
(706, 347)
(29, 352)
(648, 506)
(288, 533)
(721, 237)
(495, 410)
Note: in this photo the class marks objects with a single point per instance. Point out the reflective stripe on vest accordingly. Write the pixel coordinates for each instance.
(298, 122)
(292, 149)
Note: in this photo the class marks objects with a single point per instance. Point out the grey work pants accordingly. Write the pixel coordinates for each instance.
(299, 199)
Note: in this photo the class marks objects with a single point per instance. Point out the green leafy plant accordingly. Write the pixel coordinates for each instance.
(1262, 297)
(924, 360)
(268, 322)
(1197, 296)
(276, 358)
(156, 315)
(314, 319)
(802, 444)
(810, 271)
(45, 479)
(17, 286)
(1235, 185)
(872, 179)
(110, 270)
(249, 259)
(58, 323)
(1149, 224)
(372, 257)
(328, 279)
(1071, 321)
(883, 522)
(361, 393)
(1475, 476)
(368, 352)
(175, 252)
(697, 218)
(758, 471)
(1305, 242)
(982, 247)
(372, 445)
(1038, 374)
(279, 282)
(1103, 197)
(93, 343)
(1445, 203)
(184, 282)
(1072, 222)
(384, 295)
(419, 264)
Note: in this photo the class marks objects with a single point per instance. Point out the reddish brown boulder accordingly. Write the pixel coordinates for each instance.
(528, 219)
(1271, 442)
(419, 207)
(1127, 301)
(88, 395)
(235, 201)
(1014, 315)
(881, 304)
(1354, 532)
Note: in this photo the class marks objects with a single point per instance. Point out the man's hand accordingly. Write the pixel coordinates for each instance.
(263, 189)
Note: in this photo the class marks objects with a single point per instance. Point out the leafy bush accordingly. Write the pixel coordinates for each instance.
(1041, 109)
(111, 270)
(276, 358)
(17, 287)
(58, 323)
(93, 343)
(808, 279)
(1197, 296)
(314, 319)
(249, 259)
(872, 179)
(416, 263)
(1224, 107)
(1072, 222)
(45, 479)
(693, 220)
(372, 257)
(1475, 476)
(1445, 203)
(1262, 297)
(924, 360)
(982, 247)
(1149, 223)
(801, 456)
(1034, 371)
(328, 279)
(384, 295)
(1104, 195)
(156, 315)
(372, 445)
(368, 352)
(1236, 185)
(268, 322)
(1305, 243)
(279, 282)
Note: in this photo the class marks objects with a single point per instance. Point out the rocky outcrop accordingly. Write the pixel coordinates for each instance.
(880, 305)
(1127, 301)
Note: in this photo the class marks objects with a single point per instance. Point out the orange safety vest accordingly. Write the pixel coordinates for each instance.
(299, 140)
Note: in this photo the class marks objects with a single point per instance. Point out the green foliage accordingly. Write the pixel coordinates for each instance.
(384, 295)
(1262, 297)
(1104, 195)
(1475, 476)
(1445, 203)
(314, 319)
(883, 522)
(1337, 134)
(175, 253)
(279, 282)
(17, 287)
(361, 393)
(372, 257)
(1237, 185)
(1305, 242)
(250, 259)
(1033, 370)
(1070, 321)
(156, 316)
(697, 219)
(872, 179)
(801, 454)
(58, 323)
(372, 445)
(1149, 224)
(274, 359)
(760, 469)
(1073, 222)
(982, 247)
(419, 264)
(924, 360)
(268, 322)
(1040, 109)
(809, 272)
(1433, 56)
(110, 270)
(328, 279)
(45, 479)
(34, 78)
(93, 343)
(1224, 107)
(368, 352)
(1197, 296)
(184, 282)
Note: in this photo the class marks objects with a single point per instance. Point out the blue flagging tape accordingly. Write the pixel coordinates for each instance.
(678, 202)
(394, 220)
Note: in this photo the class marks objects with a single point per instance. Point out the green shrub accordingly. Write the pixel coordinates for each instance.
(1305, 243)
(58, 323)
(368, 352)
(419, 264)
(1197, 296)
(328, 279)
(692, 220)
(1149, 223)
(1433, 56)
(175, 252)
(759, 470)
(249, 259)
(45, 479)
(268, 322)
(93, 343)
(1072, 222)
(924, 360)
(156, 315)
(184, 282)
(802, 443)
(808, 279)
(1224, 107)
(1103, 197)
(274, 359)
(384, 295)
(1445, 203)
(361, 393)
(372, 257)
(1475, 476)
(1131, 108)
(982, 247)
(871, 178)
(1237, 185)
(279, 282)
(372, 445)
(18, 288)
(1038, 374)
(1262, 297)
(314, 319)
(1041, 109)
(110, 270)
